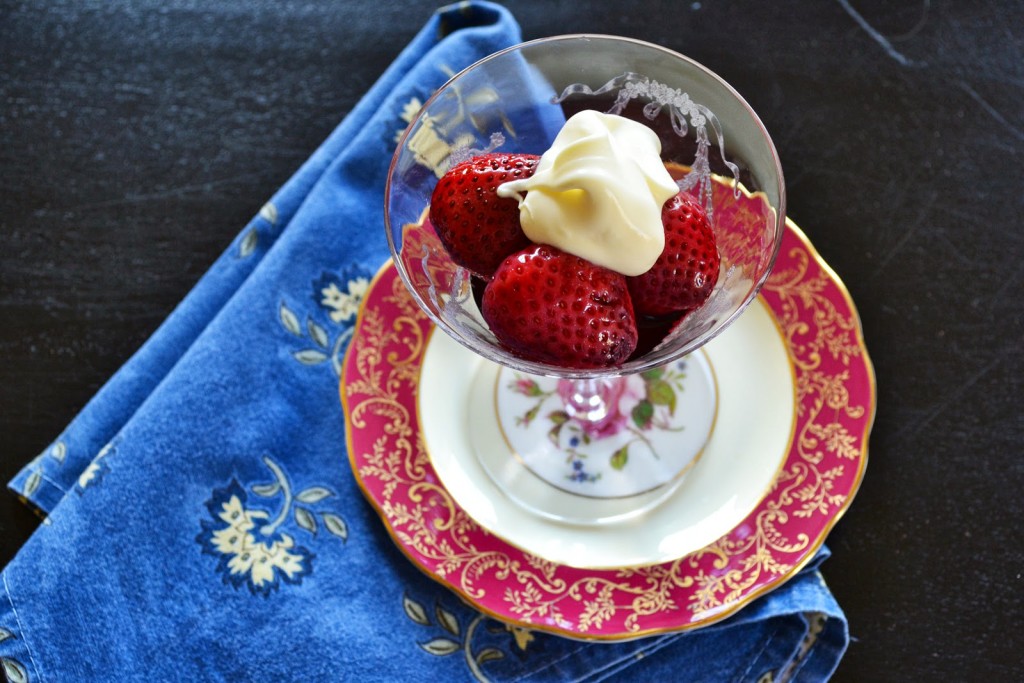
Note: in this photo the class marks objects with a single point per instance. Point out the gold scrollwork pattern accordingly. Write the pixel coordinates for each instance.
(823, 468)
(827, 457)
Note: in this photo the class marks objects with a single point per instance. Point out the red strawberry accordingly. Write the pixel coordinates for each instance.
(546, 305)
(686, 272)
(476, 226)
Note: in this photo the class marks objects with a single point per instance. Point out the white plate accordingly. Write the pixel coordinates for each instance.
(748, 445)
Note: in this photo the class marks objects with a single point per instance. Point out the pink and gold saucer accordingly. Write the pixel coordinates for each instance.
(741, 449)
(822, 464)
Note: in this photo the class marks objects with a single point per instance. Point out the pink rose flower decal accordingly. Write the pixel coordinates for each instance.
(623, 408)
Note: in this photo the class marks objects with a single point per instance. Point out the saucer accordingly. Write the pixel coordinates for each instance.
(824, 460)
(741, 459)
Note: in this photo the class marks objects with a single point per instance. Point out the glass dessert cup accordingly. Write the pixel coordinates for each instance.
(617, 440)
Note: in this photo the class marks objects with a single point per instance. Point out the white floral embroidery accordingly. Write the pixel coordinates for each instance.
(409, 111)
(442, 138)
(95, 470)
(249, 556)
(89, 474)
(344, 305)
(268, 212)
(250, 547)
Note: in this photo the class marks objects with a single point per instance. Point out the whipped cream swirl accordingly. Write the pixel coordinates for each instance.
(597, 193)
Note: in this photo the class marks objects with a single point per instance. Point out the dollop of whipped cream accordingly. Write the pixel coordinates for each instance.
(598, 192)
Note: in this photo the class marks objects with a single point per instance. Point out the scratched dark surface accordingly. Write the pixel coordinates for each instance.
(136, 138)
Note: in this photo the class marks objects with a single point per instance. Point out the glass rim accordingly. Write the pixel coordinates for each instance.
(496, 354)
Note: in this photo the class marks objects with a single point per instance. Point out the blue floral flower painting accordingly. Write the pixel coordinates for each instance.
(328, 327)
(249, 541)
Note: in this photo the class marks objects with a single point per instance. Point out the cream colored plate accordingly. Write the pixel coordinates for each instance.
(749, 443)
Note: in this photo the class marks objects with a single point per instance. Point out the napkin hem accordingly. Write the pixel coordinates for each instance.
(41, 495)
(825, 653)
(22, 634)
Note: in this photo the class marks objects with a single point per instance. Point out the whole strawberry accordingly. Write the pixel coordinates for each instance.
(549, 306)
(686, 272)
(476, 226)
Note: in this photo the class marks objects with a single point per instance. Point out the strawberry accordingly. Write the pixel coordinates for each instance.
(476, 226)
(686, 272)
(549, 306)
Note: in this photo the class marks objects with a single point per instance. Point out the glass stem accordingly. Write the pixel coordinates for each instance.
(586, 402)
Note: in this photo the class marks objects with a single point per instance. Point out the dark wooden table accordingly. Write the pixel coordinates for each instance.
(139, 136)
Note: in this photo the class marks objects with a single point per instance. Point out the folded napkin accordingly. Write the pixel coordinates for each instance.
(166, 553)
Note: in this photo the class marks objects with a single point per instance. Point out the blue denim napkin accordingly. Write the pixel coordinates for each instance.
(136, 573)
